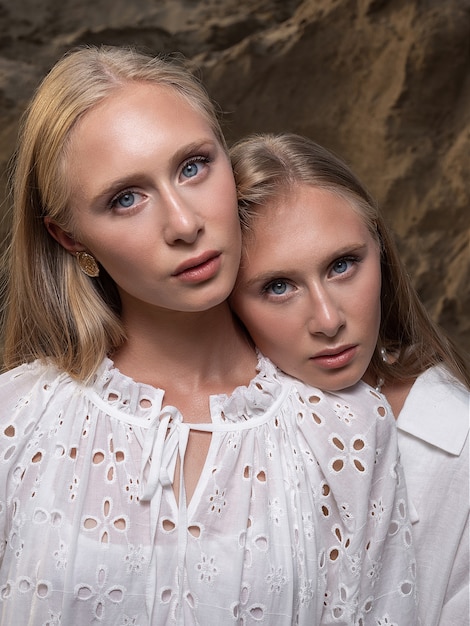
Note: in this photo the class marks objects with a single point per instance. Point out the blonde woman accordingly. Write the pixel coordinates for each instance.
(155, 470)
(324, 294)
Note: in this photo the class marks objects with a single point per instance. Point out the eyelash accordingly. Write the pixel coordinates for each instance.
(115, 199)
(353, 260)
(200, 158)
(265, 289)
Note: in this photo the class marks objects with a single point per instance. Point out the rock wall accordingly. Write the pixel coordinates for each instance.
(386, 84)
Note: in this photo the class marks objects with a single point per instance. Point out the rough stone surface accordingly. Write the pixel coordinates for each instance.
(384, 84)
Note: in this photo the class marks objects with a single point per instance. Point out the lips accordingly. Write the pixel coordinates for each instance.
(199, 269)
(195, 262)
(335, 357)
(333, 351)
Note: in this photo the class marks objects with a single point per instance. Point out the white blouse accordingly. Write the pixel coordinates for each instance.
(299, 516)
(433, 437)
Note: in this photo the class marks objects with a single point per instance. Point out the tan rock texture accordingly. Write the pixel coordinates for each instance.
(384, 83)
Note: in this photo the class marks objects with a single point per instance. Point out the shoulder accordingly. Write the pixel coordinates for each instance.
(437, 410)
(361, 400)
(21, 378)
(28, 386)
(439, 383)
(359, 409)
(26, 375)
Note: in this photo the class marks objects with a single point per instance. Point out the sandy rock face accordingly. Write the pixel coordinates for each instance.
(384, 84)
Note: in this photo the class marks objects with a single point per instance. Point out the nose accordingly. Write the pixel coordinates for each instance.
(183, 222)
(326, 315)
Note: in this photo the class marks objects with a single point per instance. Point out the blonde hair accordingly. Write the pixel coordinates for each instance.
(270, 166)
(51, 309)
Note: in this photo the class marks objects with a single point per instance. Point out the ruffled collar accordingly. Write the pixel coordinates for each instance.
(121, 394)
(252, 400)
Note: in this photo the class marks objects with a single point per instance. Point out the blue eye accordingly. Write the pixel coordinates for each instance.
(126, 200)
(345, 266)
(195, 166)
(341, 266)
(279, 287)
(191, 169)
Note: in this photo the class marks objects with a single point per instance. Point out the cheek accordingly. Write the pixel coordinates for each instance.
(232, 227)
(222, 220)
(114, 255)
(231, 223)
(376, 289)
(272, 333)
(368, 302)
(118, 256)
(223, 196)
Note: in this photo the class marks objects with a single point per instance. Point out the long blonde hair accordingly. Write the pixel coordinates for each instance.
(268, 166)
(51, 309)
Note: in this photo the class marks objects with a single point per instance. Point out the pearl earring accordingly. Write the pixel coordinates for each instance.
(384, 355)
(384, 358)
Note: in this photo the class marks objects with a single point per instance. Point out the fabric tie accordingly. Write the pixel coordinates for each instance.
(166, 439)
(159, 454)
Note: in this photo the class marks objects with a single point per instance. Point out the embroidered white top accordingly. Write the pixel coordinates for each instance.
(299, 516)
(433, 429)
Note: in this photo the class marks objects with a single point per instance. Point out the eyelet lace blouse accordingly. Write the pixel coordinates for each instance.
(299, 516)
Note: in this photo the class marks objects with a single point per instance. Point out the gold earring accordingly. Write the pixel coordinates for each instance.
(87, 264)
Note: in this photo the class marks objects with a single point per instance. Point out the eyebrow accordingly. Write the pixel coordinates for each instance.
(133, 180)
(265, 277)
(191, 148)
(137, 179)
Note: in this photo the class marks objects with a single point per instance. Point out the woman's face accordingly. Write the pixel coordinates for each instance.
(308, 289)
(153, 199)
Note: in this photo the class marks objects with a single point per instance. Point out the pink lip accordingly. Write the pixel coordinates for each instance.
(335, 357)
(200, 268)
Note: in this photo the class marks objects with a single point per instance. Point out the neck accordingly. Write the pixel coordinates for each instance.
(396, 393)
(186, 353)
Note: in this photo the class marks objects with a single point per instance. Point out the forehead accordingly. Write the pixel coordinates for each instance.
(137, 128)
(136, 102)
(307, 225)
(307, 205)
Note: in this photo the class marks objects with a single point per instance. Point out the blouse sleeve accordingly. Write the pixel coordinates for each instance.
(21, 405)
(361, 508)
(456, 605)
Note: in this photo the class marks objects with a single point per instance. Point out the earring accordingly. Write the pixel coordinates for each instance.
(87, 264)
(384, 358)
(384, 355)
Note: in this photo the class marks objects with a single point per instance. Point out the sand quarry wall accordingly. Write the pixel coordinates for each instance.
(384, 83)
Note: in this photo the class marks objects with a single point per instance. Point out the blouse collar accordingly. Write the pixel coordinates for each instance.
(437, 410)
(122, 396)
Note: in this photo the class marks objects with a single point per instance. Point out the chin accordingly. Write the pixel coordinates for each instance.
(334, 383)
(209, 300)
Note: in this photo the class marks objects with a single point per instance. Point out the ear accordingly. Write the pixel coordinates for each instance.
(62, 237)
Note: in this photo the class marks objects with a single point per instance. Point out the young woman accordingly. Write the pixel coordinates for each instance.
(154, 469)
(323, 293)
